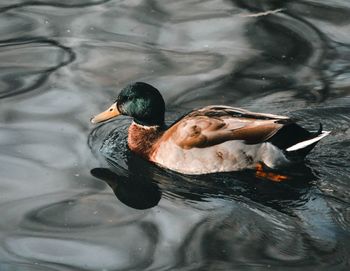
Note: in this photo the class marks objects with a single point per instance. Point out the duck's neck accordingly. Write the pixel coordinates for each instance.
(141, 139)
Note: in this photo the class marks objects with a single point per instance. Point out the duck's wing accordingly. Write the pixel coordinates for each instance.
(222, 110)
(213, 125)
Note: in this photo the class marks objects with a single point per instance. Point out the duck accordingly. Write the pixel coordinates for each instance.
(211, 139)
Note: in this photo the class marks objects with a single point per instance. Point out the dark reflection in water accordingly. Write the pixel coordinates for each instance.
(135, 192)
(141, 190)
(73, 198)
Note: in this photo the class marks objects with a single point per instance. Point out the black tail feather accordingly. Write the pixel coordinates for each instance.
(289, 135)
(292, 134)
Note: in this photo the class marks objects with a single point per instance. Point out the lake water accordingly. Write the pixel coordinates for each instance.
(72, 197)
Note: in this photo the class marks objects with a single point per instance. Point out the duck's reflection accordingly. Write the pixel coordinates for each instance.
(134, 191)
(142, 185)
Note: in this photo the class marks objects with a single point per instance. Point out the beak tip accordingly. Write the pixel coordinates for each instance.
(92, 120)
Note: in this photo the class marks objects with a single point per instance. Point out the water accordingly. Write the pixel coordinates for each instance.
(74, 198)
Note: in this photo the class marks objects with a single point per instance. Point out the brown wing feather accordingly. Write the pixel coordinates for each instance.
(221, 110)
(216, 124)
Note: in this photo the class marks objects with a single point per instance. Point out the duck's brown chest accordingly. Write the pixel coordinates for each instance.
(142, 139)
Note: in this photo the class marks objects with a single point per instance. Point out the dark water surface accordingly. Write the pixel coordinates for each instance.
(72, 197)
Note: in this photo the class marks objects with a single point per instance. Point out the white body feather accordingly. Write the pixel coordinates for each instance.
(228, 156)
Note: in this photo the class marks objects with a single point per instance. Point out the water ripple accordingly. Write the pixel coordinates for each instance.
(70, 253)
(74, 4)
(60, 204)
(20, 76)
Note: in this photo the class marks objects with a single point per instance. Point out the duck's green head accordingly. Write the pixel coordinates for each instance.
(140, 101)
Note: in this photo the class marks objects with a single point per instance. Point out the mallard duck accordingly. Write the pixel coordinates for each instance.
(211, 139)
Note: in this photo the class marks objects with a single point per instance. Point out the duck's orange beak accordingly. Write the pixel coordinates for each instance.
(111, 112)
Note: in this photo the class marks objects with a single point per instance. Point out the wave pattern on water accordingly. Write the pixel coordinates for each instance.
(71, 4)
(20, 77)
(70, 191)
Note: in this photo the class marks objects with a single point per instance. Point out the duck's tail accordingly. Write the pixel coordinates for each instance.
(296, 141)
(302, 148)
